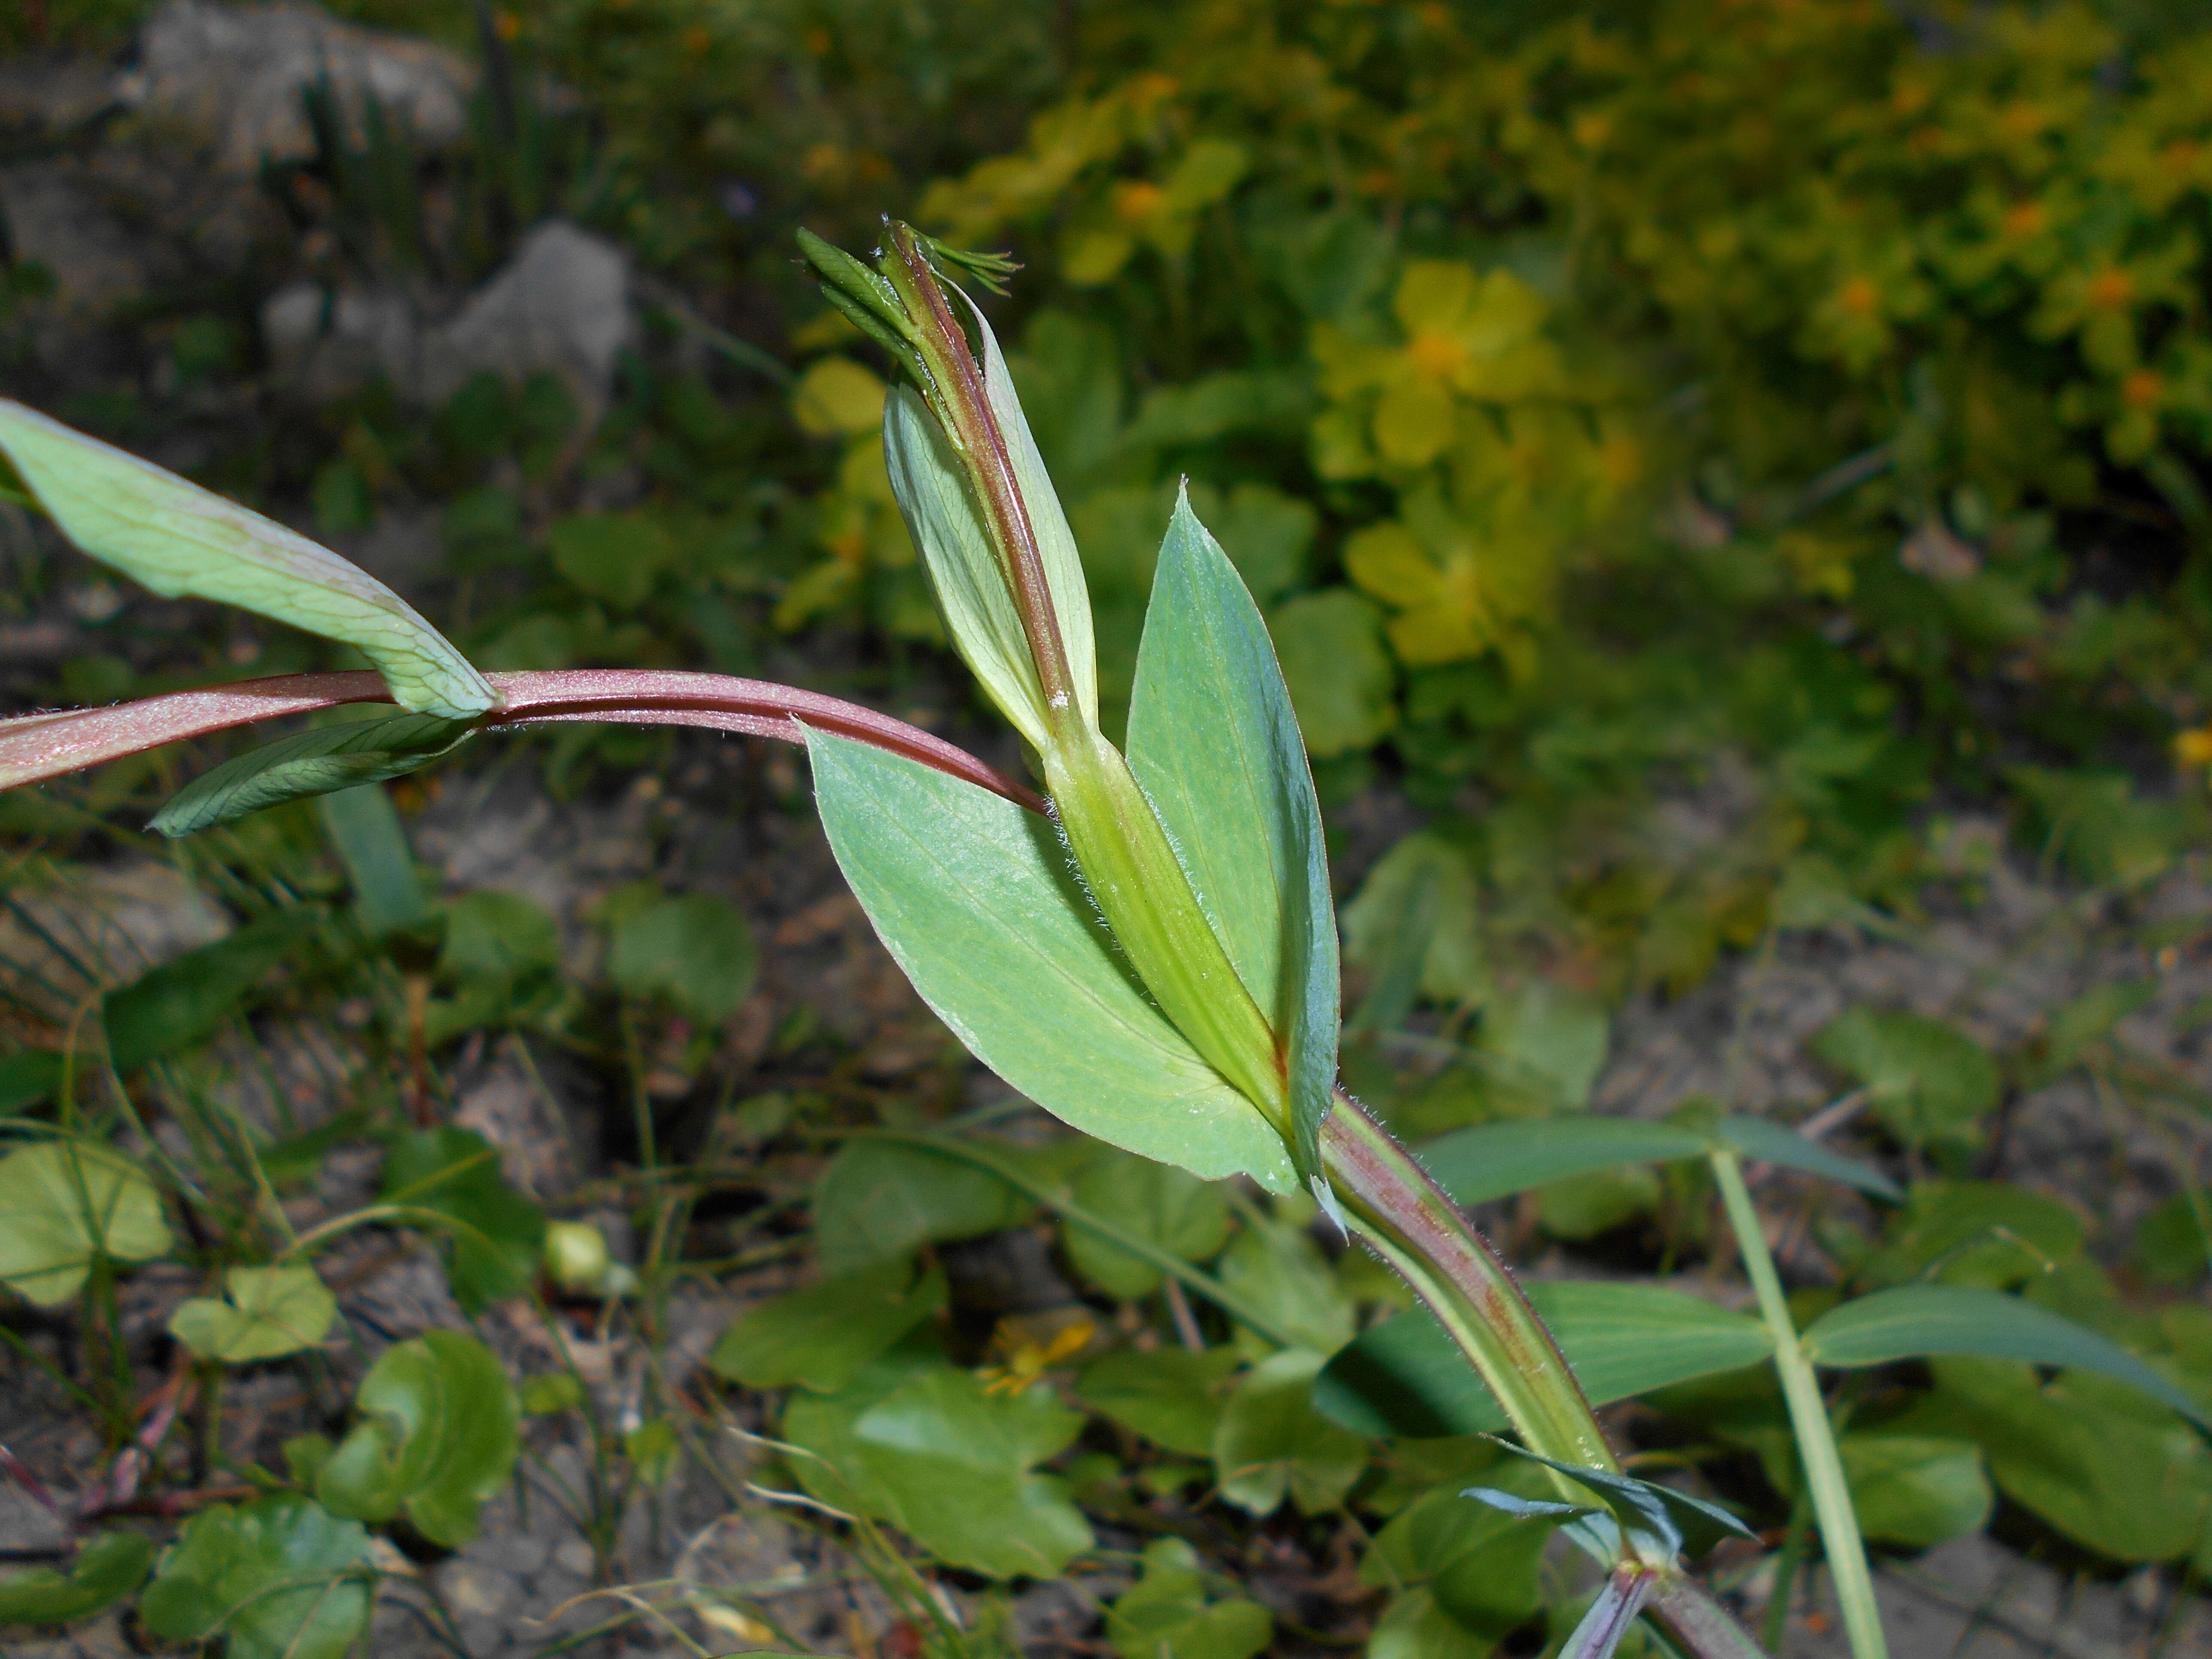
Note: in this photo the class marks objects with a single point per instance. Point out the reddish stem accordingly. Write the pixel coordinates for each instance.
(35, 747)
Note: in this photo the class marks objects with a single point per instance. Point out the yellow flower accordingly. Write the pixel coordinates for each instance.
(2193, 748)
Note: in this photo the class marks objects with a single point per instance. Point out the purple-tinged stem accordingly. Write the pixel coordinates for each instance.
(35, 747)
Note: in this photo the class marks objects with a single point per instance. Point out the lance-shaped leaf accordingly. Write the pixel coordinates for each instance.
(1664, 1522)
(317, 763)
(181, 540)
(1405, 1377)
(973, 897)
(1921, 1321)
(1214, 741)
(1495, 1160)
(964, 571)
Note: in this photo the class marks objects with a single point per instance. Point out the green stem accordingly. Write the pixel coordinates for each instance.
(1787, 1564)
(1808, 1418)
(1410, 1221)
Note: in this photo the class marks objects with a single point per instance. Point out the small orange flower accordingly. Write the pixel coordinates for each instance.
(1859, 297)
(2142, 390)
(2025, 219)
(2111, 288)
(1136, 200)
(2193, 748)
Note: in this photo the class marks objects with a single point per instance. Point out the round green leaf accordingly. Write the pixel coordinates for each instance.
(281, 1578)
(266, 1312)
(438, 1436)
(107, 1569)
(62, 1203)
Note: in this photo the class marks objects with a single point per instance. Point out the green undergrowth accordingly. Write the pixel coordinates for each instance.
(1736, 472)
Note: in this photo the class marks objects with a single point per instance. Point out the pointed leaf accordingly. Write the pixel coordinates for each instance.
(1914, 1320)
(1493, 1160)
(1776, 1143)
(1405, 1377)
(179, 539)
(964, 571)
(316, 763)
(1214, 741)
(1675, 1520)
(1063, 564)
(973, 897)
(187, 999)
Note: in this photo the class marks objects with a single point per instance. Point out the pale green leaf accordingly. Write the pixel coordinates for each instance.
(1916, 1490)
(1405, 1377)
(1171, 1396)
(312, 763)
(954, 1465)
(1915, 1320)
(821, 1337)
(693, 949)
(61, 1204)
(1215, 743)
(1167, 1207)
(180, 540)
(973, 897)
(1926, 1080)
(1270, 1444)
(1167, 1615)
(1494, 1160)
(964, 570)
(266, 1312)
(1339, 674)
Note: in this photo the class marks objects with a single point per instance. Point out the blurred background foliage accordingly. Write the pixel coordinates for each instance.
(1688, 449)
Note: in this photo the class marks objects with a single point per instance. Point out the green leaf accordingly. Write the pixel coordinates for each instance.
(1167, 1207)
(1776, 1143)
(62, 1203)
(964, 571)
(1678, 1522)
(180, 540)
(1915, 1490)
(1277, 1269)
(1166, 1614)
(1988, 1233)
(438, 1435)
(27, 1077)
(1405, 1377)
(187, 999)
(821, 1337)
(696, 951)
(1926, 1081)
(881, 1200)
(1171, 1396)
(1480, 1565)
(1494, 1160)
(364, 830)
(317, 761)
(950, 1465)
(455, 1173)
(1339, 675)
(268, 1311)
(973, 897)
(613, 557)
(1914, 1320)
(2132, 1486)
(107, 1568)
(1270, 1445)
(1584, 1206)
(1424, 883)
(1215, 745)
(281, 1578)
(2170, 1247)
(498, 938)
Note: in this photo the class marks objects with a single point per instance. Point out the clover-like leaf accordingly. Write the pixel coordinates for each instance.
(179, 539)
(281, 1578)
(107, 1569)
(1167, 1615)
(822, 1336)
(266, 1312)
(437, 1436)
(316, 763)
(62, 1204)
